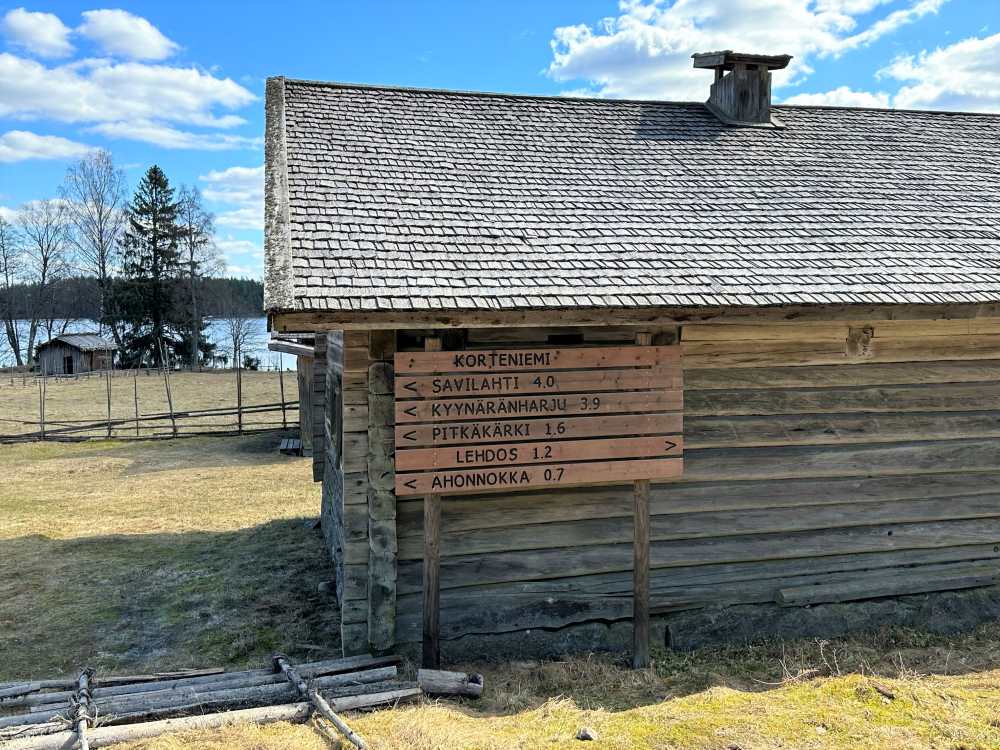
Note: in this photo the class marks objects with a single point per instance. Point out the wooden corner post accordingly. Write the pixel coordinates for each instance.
(640, 560)
(432, 565)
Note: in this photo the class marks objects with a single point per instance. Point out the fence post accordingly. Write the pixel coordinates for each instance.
(41, 404)
(281, 382)
(135, 394)
(239, 398)
(108, 381)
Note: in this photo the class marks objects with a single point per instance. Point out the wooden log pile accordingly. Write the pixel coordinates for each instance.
(89, 712)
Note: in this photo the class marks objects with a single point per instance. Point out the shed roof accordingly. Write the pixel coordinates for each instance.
(87, 342)
(388, 199)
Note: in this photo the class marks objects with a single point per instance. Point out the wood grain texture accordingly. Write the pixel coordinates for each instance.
(454, 433)
(541, 452)
(515, 360)
(515, 383)
(469, 481)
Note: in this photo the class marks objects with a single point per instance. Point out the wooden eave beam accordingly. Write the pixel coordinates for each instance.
(290, 347)
(303, 322)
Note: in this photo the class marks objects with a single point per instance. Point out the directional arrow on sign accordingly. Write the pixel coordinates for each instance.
(667, 445)
(411, 386)
(411, 435)
(411, 483)
(411, 411)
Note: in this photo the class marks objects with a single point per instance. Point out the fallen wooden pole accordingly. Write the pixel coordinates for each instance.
(171, 681)
(442, 682)
(113, 735)
(83, 708)
(281, 663)
(139, 705)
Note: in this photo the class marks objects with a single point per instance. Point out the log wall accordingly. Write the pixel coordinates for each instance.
(822, 461)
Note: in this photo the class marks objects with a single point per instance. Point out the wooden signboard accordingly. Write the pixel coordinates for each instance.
(487, 421)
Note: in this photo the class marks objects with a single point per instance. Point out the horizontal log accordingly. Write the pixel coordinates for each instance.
(982, 396)
(211, 695)
(717, 524)
(499, 567)
(105, 736)
(215, 681)
(837, 429)
(549, 506)
(890, 583)
(714, 464)
(292, 322)
(853, 375)
(608, 597)
(711, 354)
(441, 682)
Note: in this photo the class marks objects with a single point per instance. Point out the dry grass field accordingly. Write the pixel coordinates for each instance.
(70, 401)
(196, 552)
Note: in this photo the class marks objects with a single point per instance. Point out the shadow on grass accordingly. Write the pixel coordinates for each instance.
(164, 601)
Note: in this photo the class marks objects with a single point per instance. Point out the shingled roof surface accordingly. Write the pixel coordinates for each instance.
(425, 200)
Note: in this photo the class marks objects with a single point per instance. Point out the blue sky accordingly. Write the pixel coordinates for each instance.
(181, 84)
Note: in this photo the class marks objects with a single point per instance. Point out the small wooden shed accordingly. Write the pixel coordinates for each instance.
(75, 353)
(820, 284)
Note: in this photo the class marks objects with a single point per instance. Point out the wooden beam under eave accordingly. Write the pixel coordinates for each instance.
(304, 322)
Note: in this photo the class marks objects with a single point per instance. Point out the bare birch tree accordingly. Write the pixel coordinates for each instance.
(44, 225)
(11, 268)
(199, 258)
(94, 192)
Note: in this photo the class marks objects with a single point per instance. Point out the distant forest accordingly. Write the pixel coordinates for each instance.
(79, 297)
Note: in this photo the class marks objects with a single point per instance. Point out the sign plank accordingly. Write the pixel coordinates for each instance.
(440, 410)
(500, 360)
(472, 481)
(557, 381)
(506, 430)
(519, 454)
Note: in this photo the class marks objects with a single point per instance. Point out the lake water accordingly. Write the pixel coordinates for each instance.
(215, 332)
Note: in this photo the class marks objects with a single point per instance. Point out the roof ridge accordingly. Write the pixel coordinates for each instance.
(604, 100)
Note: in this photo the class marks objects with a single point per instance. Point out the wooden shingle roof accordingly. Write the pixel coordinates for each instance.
(382, 199)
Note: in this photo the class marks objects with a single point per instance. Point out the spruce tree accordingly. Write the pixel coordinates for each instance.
(150, 271)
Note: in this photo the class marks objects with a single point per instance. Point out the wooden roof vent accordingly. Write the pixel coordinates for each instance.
(741, 92)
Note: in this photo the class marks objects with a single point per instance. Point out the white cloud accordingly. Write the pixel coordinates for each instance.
(118, 32)
(8, 214)
(234, 247)
(130, 100)
(241, 218)
(41, 34)
(843, 96)
(163, 135)
(962, 76)
(243, 189)
(21, 145)
(645, 51)
(235, 185)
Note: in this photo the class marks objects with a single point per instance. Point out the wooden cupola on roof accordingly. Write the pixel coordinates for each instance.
(741, 92)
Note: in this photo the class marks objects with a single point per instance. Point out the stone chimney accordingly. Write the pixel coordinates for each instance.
(741, 92)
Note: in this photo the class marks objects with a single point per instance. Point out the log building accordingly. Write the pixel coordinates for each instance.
(75, 353)
(830, 275)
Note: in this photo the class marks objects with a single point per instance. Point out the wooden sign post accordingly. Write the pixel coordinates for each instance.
(505, 420)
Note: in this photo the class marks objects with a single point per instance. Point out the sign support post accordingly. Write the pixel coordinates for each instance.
(432, 565)
(640, 560)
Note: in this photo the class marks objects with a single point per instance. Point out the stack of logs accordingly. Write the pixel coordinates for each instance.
(92, 713)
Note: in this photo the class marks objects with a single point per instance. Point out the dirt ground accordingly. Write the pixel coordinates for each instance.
(70, 401)
(196, 552)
